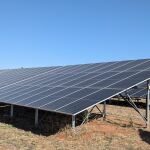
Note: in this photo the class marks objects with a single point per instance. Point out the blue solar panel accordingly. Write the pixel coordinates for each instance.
(70, 89)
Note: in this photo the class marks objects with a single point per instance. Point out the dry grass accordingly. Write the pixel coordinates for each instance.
(122, 130)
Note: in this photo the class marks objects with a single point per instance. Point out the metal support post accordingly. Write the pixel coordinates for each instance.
(104, 110)
(36, 117)
(148, 102)
(73, 121)
(12, 111)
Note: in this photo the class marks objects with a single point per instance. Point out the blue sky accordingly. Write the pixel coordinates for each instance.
(60, 32)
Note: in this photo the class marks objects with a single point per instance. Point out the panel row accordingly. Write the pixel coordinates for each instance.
(71, 89)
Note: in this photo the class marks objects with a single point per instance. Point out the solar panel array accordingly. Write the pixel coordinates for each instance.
(70, 89)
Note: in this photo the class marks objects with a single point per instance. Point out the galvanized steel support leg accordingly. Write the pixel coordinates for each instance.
(73, 121)
(104, 110)
(12, 111)
(148, 102)
(36, 117)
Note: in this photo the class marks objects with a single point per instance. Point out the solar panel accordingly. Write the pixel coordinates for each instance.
(71, 89)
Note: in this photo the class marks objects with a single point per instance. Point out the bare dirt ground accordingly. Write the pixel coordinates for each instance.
(123, 129)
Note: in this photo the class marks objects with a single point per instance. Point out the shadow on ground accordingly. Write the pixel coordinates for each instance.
(145, 135)
(123, 103)
(49, 123)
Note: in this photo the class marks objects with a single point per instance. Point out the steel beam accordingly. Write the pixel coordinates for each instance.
(148, 102)
(87, 115)
(104, 110)
(73, 121)
(131, 102)
(36, 117)
(11, 110)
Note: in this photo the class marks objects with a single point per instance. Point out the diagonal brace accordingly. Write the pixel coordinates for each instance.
(89, 113)
(131, 102)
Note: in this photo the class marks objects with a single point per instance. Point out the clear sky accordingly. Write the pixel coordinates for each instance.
(60, 32)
